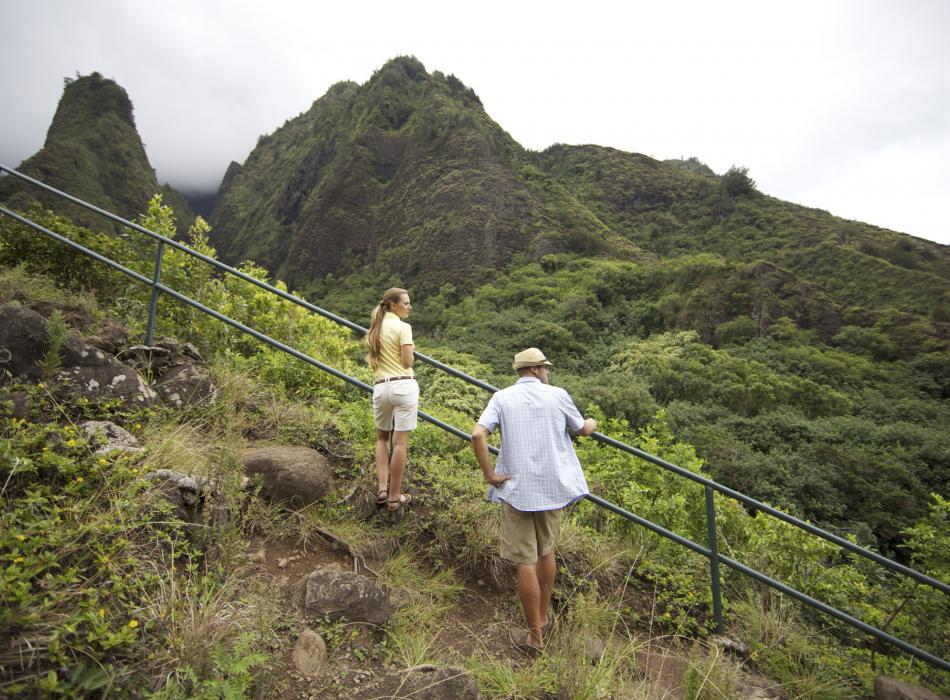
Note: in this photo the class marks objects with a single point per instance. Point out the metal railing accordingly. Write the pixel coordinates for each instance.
(710, 551)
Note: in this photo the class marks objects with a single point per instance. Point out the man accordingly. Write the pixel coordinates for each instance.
(537, 475)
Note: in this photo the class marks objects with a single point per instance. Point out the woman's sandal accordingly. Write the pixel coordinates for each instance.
(382, 497)
(404, 500)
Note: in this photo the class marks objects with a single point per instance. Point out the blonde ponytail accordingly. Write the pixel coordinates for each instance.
(373, 340)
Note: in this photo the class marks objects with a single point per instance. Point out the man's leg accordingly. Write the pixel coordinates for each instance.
(547, 568)
(530, 593)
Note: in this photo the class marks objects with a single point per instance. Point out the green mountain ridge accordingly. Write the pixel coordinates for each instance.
(406, 172)
(93, 152)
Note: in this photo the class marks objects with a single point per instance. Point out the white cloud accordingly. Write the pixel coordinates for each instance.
(842, 105)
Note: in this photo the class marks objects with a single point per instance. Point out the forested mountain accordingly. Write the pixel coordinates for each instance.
(93, 151)
(406, 172)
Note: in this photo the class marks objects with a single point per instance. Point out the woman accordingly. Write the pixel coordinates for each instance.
(396, 394)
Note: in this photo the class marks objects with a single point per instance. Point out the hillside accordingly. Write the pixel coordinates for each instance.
(93, 152)
(189, 587)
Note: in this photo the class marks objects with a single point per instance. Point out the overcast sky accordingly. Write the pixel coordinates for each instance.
(842, 105)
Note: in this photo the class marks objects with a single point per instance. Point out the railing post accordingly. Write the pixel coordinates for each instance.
(712, 543)
(153, 303)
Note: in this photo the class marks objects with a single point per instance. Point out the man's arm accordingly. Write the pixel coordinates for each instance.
(480, 445)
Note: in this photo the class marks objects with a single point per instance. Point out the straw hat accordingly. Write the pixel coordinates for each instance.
(532, 357)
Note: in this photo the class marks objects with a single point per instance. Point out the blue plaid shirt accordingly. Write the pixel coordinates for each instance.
(536, 448)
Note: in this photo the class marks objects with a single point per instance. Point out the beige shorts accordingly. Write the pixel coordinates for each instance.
(396, 401)
(528, 535)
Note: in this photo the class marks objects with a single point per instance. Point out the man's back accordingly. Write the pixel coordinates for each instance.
(536, 449)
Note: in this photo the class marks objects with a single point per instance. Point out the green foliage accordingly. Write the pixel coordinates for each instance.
(250, 305)
(40, 254)
(57, 332)
(736, 182)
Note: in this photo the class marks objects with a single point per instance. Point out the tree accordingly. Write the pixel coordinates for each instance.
(736, 182)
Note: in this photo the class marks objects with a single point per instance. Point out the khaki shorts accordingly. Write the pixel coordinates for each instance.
(397, 400)
(528, 535)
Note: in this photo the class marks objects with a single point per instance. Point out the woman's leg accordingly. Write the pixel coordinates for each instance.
(382, 460)
(397, 464)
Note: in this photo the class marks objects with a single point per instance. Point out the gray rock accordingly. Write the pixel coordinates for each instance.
(432, 683)
(185, 492)
(90, 373)
(186, 384)
(105, 437)
(310, 654)
(295, 476)
(892, 689)
(342, 595)
(23, 342)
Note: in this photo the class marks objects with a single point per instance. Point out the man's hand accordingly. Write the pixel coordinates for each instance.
(497, 480)
(590, 425)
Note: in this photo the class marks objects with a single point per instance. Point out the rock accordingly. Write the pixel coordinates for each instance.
(105, 437)
(295, 476)
(180, 376)
(186, 384)
(186, 493)
(258, 557)
(15, 405)
(433, 683)
(892, 689)
(112, 336)
(734, 646)
(23, 342)
(593, 647)
(310, 654)
(342, 595)
(150, 359)
(90, 373)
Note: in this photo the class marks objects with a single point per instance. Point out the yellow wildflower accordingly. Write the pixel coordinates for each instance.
(71, 443)
(133, 623)
(79, 480)
(102, 461)
(17, 560)
(21, 537)
(102, 613)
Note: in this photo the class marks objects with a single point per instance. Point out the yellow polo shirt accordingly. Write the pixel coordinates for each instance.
(392, 336)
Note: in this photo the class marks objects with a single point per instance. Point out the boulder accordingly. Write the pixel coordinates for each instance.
(85, 371)
(90, 373)
(342, 595)
(111, 336)
(186, 493)
(105, 437)
(433, 683)
(310, 654)
(181, 377)
(295, 476)
(892, 689)
(23, 342)
(186, 385)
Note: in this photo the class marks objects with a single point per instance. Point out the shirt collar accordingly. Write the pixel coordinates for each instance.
(527, 379)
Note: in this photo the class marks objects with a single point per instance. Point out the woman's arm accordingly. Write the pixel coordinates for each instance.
(406, 355)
